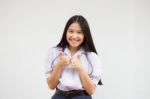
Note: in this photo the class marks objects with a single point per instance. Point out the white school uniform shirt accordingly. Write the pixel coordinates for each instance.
(70, 78)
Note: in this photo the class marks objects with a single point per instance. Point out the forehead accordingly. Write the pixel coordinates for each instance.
(75, 25)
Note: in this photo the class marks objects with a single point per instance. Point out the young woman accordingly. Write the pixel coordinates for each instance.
(73, 67)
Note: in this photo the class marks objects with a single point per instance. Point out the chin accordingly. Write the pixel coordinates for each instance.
(75, 46)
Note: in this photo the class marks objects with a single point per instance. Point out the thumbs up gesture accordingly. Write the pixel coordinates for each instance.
(76, 62)
(64, 59)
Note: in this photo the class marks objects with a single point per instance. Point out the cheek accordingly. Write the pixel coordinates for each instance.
(67, 36)
(82, 37)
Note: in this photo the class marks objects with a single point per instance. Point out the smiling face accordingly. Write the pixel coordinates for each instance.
(74, 36)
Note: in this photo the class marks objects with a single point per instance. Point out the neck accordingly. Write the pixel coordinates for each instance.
(73, 50)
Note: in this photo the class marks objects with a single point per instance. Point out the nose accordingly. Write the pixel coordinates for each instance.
(74, 34)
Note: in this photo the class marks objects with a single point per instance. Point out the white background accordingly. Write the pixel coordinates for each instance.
(121, 33)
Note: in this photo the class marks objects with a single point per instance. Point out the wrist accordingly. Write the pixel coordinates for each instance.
(80, 69)
(59, 65)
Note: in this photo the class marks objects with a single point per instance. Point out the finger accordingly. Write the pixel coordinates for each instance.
(78, 56)
(61, 53)
(70, 60)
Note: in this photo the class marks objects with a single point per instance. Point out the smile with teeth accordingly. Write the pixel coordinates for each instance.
(74, 41)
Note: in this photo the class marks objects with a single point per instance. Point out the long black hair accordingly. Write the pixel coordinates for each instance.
(88, 45)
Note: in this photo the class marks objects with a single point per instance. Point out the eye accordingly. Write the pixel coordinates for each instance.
(79, 32)
(70, 31)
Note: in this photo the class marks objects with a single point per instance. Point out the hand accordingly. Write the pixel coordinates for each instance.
(64, 59)
(76, 63)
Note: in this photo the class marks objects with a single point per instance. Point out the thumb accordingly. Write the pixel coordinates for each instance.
(77, 56)
(61, 53)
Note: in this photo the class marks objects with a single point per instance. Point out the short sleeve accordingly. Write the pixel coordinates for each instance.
(48, 61)
(97, 67)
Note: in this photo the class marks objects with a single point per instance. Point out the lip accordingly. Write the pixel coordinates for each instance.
(74, 41)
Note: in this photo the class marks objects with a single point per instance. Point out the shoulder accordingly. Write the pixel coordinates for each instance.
(95, 60)
(53, 51)
(92, 55)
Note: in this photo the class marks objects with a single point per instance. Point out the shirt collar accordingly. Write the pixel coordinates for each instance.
(79, 52)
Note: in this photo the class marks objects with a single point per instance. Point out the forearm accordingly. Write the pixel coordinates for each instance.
(53, 79)
(87, 82)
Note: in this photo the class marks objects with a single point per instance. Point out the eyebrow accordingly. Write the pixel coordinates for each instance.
(77, 30)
